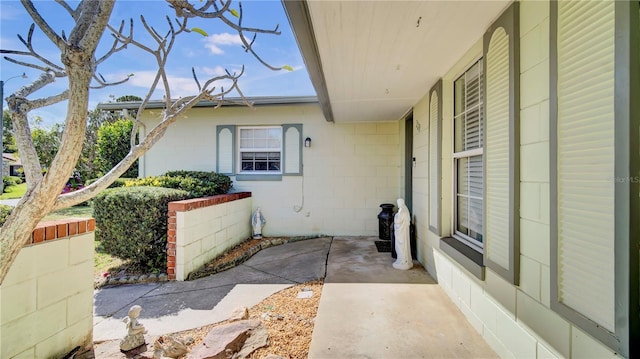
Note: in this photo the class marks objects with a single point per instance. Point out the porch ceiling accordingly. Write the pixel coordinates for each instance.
(373, 60)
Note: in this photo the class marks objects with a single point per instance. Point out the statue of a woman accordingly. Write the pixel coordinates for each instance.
(401, 224)
(257, 222)
(135, 330)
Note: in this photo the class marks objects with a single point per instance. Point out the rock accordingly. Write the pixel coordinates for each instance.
(162, 277)
(240, 313)
(272, 356)
(224, 339)
(259, 337)
(170, 346)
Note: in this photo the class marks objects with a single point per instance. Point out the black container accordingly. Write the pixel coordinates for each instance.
(385, 221)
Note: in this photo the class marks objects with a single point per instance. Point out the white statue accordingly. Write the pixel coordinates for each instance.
(135, 330)
(257, 222)
(401, 224)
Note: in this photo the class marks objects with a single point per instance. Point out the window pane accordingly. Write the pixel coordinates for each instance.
(254, 143)
(468, 133)
(463, 175)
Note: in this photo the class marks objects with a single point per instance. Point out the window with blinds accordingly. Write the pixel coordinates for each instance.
(260, 149)
(467, 156)
(259, 152)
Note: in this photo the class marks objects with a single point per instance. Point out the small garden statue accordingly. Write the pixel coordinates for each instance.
(135, 330)
(257, 222)
(401, 224)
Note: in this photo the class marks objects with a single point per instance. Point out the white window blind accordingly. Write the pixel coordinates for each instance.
(468, 149)
(585, 161)
(498, 176)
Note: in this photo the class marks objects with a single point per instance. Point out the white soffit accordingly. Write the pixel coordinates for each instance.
(380, 57)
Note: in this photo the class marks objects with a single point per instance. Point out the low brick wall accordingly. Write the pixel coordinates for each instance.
(46, 299)
(201, 229)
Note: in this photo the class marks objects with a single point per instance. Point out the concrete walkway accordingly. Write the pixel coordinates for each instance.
(367, 308)
(175, 306)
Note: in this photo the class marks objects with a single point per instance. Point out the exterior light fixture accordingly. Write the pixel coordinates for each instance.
(307, 142)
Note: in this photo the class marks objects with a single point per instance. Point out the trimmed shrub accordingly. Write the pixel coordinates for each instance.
(11, 181)
(5, 211)
(197, 183)
(131, 223)
(119, 182)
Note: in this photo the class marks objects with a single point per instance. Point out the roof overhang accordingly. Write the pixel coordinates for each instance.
(373, 60)
(235, 101)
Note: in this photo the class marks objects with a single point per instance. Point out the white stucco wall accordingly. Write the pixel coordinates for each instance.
(349, 170)
(46, 300)
(516, 321)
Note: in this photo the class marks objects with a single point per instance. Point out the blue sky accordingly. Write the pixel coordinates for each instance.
(208, 55)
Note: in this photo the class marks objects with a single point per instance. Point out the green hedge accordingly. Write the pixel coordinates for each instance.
(119, 182)
(5, 211)
(11, 181)
(197, 183)
(131, 223)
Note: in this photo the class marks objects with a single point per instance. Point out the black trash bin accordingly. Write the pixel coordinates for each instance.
(385, 221)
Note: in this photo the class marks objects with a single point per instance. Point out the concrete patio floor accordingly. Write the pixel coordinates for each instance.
(368, 309)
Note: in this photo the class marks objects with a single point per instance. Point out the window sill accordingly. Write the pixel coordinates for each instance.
(469, 258)
(258, 177)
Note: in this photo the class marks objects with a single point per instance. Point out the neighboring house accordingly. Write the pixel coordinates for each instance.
(508, 127)
(11, 165)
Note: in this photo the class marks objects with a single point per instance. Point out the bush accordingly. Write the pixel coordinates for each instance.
(5, 211)
(197, 183)
(112, 145)
(11, 181)
(131, 223)
(120, 182)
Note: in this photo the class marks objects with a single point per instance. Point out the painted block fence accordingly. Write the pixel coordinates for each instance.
(198, 230)
(46, 300)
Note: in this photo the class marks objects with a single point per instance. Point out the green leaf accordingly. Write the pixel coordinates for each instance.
(234, 12)
(287, 67)
(200, 31)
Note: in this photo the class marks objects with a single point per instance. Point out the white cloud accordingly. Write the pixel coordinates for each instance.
(215, 41)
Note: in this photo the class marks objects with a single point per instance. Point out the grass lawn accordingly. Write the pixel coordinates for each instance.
(75, 211)
(16, 191)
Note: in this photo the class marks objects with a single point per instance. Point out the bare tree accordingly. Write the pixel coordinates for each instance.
(79, 64)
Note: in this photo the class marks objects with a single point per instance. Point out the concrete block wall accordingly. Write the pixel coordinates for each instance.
(516, 321)
(46, 300)
(349, 170)
(201, 229)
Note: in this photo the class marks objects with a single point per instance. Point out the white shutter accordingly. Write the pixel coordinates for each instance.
(226, 149)
(497, 150)
(434, 162)
(585, 135)
(292, 150)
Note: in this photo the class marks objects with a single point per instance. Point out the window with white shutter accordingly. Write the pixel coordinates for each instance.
(593, 165)
(435, 137)
(501, 148)
(259, 153)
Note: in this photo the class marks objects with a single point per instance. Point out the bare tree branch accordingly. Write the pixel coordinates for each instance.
(42, 24)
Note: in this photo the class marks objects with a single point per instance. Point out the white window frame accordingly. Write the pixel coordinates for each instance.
(462, 237)
(240, 150)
